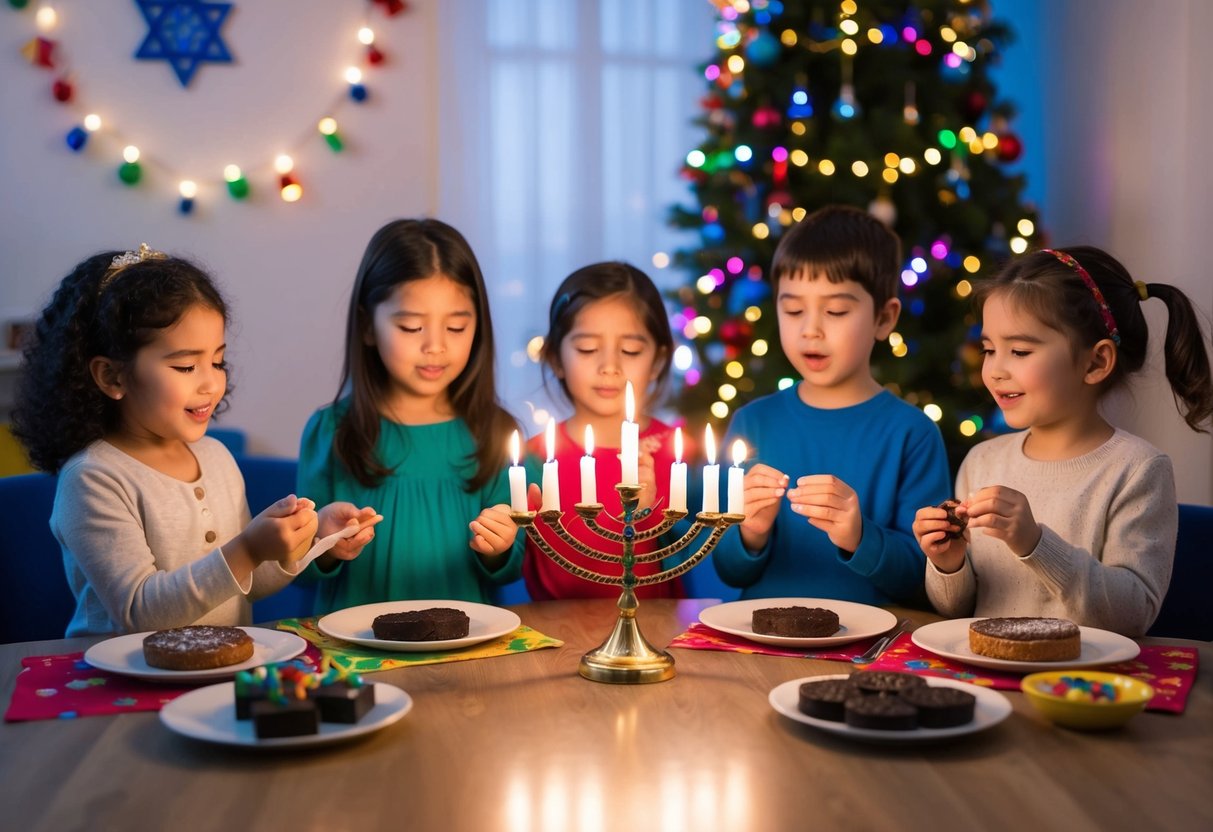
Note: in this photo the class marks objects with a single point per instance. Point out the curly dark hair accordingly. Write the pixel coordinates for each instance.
(59, 408)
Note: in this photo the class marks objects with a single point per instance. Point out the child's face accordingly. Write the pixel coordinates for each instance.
(1030, 369)
(608, 346)
(423, 332)
(171, 389)
(827, 331)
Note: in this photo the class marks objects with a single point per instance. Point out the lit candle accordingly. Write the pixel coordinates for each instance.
(551, 478)
(711, 475)
(737, 480)
(678, 476)
(629, 440)
(589, 485)
(517, 476)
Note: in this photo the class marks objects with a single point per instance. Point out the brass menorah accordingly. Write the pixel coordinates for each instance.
(626, 658)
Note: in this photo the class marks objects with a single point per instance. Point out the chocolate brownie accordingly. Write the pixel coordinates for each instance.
(825, 698)
(794, 622)
(286, 718)
(940, 707)
(874, 682)
(342, 701)
(433, 624)
(883, 712)
(955, 519)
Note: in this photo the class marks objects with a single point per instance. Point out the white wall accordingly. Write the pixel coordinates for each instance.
(287, 269)
(1129, 110)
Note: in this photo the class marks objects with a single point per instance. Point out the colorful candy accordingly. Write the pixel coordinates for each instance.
(1081, 689)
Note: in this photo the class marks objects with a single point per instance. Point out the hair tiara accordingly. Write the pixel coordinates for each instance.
(1104, 310)
(130, 258)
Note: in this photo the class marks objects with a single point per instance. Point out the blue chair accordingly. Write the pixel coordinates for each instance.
(1187, 609)
(37, 602)
(233, 439)
(267, 480)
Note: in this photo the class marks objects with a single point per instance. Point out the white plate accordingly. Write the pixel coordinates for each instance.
(124, 655)
(950, 639)
(354, 625)
(210, 714)
(991, 708)
(855, 621)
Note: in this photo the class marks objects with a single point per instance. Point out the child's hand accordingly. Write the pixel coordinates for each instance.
(831, 505)
(1005, 514)
(336, 516)
(283, 532)
(763, 488)
(493, 532)
(931, 529)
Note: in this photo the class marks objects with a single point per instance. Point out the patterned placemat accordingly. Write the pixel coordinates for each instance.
(702, 637)
(354, 657)
(1170, 670)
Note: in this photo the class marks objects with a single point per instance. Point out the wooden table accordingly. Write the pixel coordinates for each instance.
(523, 743)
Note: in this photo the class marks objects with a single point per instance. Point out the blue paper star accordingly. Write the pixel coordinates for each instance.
(185, 33)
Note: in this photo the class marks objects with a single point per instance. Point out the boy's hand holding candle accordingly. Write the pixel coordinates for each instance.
(764, 490)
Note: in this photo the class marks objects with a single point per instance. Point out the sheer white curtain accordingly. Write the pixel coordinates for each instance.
(562, 128)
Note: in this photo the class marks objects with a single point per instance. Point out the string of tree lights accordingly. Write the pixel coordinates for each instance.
(96, 134)
(884, 104)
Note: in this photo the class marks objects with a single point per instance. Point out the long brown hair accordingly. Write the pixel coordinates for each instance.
(1054, 293)
(400, 252)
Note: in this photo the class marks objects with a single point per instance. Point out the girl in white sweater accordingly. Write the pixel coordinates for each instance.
(1070, 517)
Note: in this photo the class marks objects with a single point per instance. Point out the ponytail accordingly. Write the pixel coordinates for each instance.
(1186, 356)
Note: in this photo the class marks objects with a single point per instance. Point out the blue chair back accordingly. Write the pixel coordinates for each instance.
(267, 480)
(1187, 609)
(37, 602)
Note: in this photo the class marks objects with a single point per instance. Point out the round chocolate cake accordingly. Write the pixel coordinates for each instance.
(197, 647)
(1025, 639)
(433, 624)
(940, 707)
(794, 622)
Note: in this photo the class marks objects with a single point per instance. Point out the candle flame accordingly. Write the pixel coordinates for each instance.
(589, 440)
(709, 443)
(515, 446)
(629, 403)
(738, 452)
(551, 439)
(678, 445)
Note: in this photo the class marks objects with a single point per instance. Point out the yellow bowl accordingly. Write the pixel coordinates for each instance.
(1132, 695)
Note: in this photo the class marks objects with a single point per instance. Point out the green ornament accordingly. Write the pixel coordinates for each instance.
(130, 172)
(334, 141)
(18, 4)
(238, 188)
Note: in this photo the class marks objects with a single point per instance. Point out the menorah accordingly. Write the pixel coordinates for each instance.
(626, 657)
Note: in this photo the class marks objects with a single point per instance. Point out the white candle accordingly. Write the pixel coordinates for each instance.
(629, 440)
(517, 476)
(737, 480)
(589, 483)
(678, 476)
(711, 475)
(551, 477)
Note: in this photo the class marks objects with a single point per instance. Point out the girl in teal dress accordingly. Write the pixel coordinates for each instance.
(416, 429)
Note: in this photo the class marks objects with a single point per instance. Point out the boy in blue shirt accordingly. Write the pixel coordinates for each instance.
(859, 460)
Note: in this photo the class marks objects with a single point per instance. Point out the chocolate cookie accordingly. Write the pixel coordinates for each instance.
(955, 519)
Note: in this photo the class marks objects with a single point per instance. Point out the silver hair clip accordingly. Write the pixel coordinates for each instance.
(129, 258)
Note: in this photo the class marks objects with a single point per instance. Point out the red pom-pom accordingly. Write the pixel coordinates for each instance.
(62, 90)
(1009, 147)
(373, 55)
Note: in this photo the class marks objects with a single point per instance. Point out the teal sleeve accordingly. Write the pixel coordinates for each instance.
(495, 492)
(315, 479)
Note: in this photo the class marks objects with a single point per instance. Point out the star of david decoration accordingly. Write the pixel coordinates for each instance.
(185, 33)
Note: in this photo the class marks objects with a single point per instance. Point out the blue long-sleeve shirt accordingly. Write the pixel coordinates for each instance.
(888, 451)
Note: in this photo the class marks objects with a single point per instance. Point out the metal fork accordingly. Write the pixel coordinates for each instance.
(873, 653)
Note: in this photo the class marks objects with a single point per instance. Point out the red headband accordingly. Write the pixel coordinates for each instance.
(1104, 310)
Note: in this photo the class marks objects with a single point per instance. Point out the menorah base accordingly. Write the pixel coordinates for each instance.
(626, 658)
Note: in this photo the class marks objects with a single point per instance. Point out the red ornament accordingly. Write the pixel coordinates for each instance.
(736, 333)
(973, 105)
(1009, 147)
(40, 52)
(62, 90)
(766, 116)
(373, 55)
(392, 7)
(711, 102)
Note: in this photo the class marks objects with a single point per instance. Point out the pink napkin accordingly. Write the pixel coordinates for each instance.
(66, 687)
(702, 637)
(1169, 670)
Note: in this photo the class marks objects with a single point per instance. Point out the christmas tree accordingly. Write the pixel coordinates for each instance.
(884, 104)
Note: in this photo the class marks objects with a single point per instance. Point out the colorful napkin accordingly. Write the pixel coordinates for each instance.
(703, 637)
(66, 687)
(354, 657)
(1170, 670)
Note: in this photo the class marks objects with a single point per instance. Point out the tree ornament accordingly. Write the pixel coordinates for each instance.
(18, 4)
(374, 56)
(1009, 147)
(765, 117)
(763, 51)
(40, 52)
(62, 90)
(974, 105)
